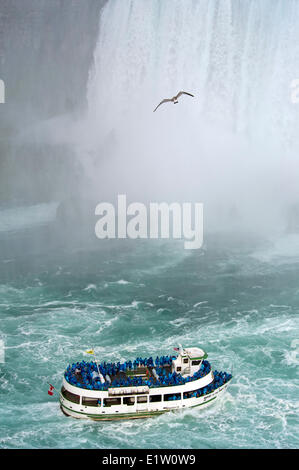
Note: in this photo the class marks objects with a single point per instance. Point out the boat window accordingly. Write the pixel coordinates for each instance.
(87, 401)
(129, 401)
(172, 396)
(178, 369)
(191, 394)
(112, 401)
(155, 398)
(141, 399)
(196, 363)
(70, 396)
(185, 361)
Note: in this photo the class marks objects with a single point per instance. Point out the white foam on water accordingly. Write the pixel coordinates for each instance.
(90, 287)
(178, 322)
(200, 303)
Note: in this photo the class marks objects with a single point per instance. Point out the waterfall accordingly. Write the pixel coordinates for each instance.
(238, 57)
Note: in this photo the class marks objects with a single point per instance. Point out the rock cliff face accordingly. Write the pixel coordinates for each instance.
(46, 50)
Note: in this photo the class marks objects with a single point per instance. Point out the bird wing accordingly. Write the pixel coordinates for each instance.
(163, 101)
(183, 93)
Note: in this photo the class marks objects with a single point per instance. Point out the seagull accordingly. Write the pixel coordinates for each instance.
(174, 99)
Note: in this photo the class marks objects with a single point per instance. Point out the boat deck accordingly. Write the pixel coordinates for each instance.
(139, 373)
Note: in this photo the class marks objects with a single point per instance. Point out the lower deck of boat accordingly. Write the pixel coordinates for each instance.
(125, 416)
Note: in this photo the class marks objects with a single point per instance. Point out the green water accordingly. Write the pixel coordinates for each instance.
(237, 297)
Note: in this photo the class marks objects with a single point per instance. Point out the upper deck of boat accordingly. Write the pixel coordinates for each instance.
(141, 372)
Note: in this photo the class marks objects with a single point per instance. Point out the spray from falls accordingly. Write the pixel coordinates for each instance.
(236, 141)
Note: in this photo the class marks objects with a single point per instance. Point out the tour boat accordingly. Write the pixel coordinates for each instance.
(141, 388)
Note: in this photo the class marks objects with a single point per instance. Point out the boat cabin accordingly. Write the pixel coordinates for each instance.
(188, 361)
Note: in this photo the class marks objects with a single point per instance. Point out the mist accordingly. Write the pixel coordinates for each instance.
(233, 146)
(45, 52)
(79, 126)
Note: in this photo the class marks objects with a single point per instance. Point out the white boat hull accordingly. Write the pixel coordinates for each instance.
(136, 411)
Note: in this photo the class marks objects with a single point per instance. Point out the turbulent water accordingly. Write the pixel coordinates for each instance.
(62, 291)
(237, 298)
